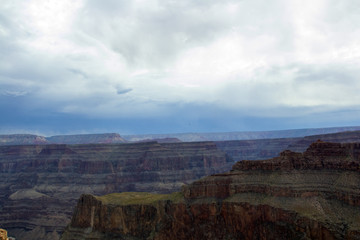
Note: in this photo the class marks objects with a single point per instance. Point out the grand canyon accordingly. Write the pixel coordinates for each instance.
(310, 195)
(49, 184)
(184, 120)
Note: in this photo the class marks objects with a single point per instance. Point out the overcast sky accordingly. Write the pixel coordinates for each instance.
(147, 66)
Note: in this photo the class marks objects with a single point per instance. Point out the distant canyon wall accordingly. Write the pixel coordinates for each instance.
(30, 139)
(41, 183)
(246, 135)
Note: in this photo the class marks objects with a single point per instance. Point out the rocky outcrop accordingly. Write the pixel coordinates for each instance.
(319, 156)
(332, 167)
(40, 183)
(310, 195)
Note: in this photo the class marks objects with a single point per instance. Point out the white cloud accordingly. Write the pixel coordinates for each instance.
(135, 57)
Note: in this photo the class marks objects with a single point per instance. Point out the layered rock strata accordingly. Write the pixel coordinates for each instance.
(29, 139)
(86, 138)
(229, 136)
(269, 148)
(40, 183)
(310, 195)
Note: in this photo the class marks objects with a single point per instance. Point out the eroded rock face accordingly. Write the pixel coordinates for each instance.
(333, 168)
(310, 195)
(40, 183)
(319, 155)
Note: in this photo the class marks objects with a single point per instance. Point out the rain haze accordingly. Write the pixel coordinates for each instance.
(178, 66)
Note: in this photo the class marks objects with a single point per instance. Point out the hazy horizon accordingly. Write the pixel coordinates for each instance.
(164, 66)
(175, 134)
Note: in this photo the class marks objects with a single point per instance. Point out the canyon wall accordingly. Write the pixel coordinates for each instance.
(40, 183)
(310, 195)
(31, 139)
(249, 135)
(269, 148)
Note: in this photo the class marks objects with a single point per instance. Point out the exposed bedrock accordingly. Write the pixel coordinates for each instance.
(310, 195)
(52, 177)
(41, 183)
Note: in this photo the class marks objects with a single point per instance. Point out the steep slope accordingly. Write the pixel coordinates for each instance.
(40, 183)
(310, 195)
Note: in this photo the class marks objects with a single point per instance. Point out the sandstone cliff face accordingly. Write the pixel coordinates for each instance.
(40, 183)
(310, 195)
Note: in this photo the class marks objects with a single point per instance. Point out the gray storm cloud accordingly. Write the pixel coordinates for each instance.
(247, 55)
(123, 91)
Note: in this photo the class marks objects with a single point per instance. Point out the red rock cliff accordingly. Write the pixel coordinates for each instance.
(310, 195)
(40, 183)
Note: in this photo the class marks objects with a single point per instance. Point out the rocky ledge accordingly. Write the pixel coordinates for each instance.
(310, 195)
(40, 184)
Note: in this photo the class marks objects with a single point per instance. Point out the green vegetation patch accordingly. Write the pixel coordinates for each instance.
(133, 198)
